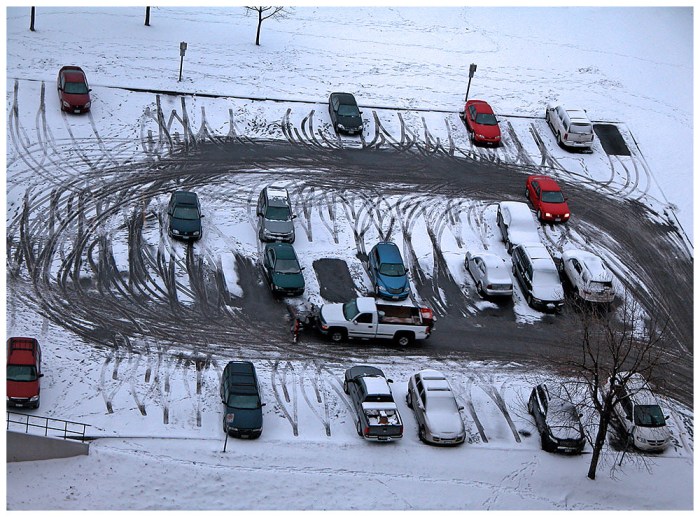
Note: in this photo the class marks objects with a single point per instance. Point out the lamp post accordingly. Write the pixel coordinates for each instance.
(472, 69)
(183, 49)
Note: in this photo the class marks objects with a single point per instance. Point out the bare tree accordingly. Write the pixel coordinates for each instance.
(265, 13)
(614, 346)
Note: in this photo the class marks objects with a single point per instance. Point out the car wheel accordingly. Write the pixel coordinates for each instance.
(527, 194)
(559, 138)
(409, 402)
(376, 290)
(421, 432)
(529, 300)
(404, 339)
(359, 428)
(539, 215)
(545, 443)
(480, 288)
(529, 406)
(337, 335)
(345, 386)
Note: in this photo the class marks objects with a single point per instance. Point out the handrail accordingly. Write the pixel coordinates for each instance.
(23, 420)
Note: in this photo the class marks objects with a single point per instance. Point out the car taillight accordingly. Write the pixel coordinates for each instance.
(489, 286)
(566, 136)
(366, 431)
(426, 313)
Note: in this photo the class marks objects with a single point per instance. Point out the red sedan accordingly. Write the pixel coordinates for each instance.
(73, 90)
(481, 123)
(547, 199)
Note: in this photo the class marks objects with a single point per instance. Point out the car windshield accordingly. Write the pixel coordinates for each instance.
(287, 267)
(649, 416)
(486, 119)
(75, 88)
(350, 310)
(546, 278)
(186, 212)
(243, 401)
(581, 129)
(347, 110)
(392, 269)
(19, 373)
(552, 196)
(278, 213)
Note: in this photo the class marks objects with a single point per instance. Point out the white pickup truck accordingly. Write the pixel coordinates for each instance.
(364, 318)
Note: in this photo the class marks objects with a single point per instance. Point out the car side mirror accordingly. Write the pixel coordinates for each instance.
(60, 89)
(89, 89)
(460, 408)
(566, 198)
(405, 270)
(629, 417)
(354, 322)
(389, 380)
(201, 215)
(263, 404)
(665, 418)
(41, 375)
(294, 216)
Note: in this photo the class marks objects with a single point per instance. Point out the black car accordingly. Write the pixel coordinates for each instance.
(185, 216)
(240, 394)
(282, 270)
(346, 117)
(557, 421)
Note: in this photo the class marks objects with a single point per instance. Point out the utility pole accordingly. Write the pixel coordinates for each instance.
(183, 49)
(472, 69)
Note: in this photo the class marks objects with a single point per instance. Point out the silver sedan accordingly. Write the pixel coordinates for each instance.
(435, 408)
(491, 274)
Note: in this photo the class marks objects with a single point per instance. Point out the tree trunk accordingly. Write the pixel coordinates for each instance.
(31, 22)
(598, 447)
(257, 37)
(148, 17)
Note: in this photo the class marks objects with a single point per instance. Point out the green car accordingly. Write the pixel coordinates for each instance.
(282, 270)
(240, 394)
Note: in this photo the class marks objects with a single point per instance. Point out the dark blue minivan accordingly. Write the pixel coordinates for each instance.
(240, 394)
(387, 272)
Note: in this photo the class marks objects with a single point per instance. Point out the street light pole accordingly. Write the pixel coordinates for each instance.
(472, 69)
(183, 48)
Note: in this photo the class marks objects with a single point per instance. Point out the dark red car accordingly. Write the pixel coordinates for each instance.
(23, 372)
(547, 199)
(481, 123)
(73, 90)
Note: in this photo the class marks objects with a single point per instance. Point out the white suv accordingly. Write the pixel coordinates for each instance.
(571, 126)
(640, 414)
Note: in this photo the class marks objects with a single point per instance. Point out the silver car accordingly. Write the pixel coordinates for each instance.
(571, 126)
(275, 218)
(490, 272)
(436, 410)
(589, 278)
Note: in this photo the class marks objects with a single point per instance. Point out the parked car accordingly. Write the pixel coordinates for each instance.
(240, 394)
(23, 372)
(346, 117)
(482, 123)
(275, 218)
(516, 224)
(639, 412)
(435, 408)
(547, 199)
(538, 276)
(557, 420)
(364, 318)
(185, 216)
(589, 277)
(378, 417)
(490, 272)
(73, 90)
(282, 270)
(571, 127)
(387, 272)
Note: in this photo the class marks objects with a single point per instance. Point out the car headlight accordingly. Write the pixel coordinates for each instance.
(341, 126)
(34, 398)
(498, 137)
(535, 300)
(66, 104)
(566, 215)
(478, 135)
(175, 232)
(382, 288)
(195, 233)
(87, 104)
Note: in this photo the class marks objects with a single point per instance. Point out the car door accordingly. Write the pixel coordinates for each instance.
(269, 264)
(534, 190)
(481, 271)
(471, 118)
(500, 220)
(541, 410)
(363, 326)
(373, 265)
(418, 402)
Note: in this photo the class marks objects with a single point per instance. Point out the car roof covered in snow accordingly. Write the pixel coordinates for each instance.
(593, 263)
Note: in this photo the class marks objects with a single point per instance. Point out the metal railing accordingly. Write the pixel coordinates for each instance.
(59, 428)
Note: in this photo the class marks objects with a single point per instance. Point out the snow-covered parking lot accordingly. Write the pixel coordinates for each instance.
(136, 329)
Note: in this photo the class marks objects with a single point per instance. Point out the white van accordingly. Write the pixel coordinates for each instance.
(571, 127)
(639, 412)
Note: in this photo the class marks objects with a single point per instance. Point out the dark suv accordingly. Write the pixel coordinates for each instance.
(185, 216)
(275, 218)
(240, 394)
(387, 272)
(282, 270)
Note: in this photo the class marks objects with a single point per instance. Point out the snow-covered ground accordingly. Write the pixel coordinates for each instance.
(409, 66)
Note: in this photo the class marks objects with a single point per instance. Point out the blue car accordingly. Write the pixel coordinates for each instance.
(387, 272)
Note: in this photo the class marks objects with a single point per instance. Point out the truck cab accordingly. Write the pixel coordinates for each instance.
(23, 372)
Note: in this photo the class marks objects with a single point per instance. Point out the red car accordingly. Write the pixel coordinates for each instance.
(481, 123)
(23, 372)
(547, 199)
(73, 90)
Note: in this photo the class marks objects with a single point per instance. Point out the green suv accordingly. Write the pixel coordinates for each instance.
(282, 270)
(240, 394)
